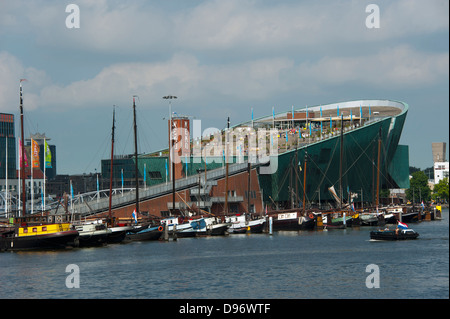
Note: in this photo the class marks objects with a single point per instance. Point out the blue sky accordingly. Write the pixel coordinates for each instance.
(221, 58)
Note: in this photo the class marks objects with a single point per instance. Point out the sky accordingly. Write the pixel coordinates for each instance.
(220, 58)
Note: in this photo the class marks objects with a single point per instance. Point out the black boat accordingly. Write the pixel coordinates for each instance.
(410, 217)
(293, 221)
(397, 234)
(92, 234)
(149, 233)
(39, 237)
(143, 232)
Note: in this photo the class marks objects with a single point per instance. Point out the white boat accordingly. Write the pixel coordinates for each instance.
(92, 233)
(240, 224)
(195, 227)
(368, 219)
(215, 227)
(183, 229)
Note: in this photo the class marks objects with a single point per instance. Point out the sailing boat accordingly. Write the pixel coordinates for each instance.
(117, 232)
(341, 218)
(295, 218)
(143, 232)
(238, 223)
(35, 232)
(92, 233)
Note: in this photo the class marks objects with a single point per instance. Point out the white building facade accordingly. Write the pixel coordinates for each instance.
(441, 171)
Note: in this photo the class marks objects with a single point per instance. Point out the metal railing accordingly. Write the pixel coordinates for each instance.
(97, 202)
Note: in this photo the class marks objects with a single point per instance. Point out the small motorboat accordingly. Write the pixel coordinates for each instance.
(396, 234)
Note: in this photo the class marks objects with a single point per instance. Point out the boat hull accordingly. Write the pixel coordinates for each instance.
(118, 234)
(293, 224)
(93, 239)
(393, 235)
(254, 229)
(218, 230)
(410, 217)
(53, 241)
(152, 233)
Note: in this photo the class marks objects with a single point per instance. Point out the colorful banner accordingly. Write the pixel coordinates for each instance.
(48, 155)
(25, 160)
(34, 154)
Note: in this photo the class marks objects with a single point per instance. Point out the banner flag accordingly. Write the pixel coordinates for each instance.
(34, 154)
(48, 155)
(25, 160)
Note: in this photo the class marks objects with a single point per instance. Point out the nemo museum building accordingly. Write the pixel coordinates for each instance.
(275, 162)
(351, 146)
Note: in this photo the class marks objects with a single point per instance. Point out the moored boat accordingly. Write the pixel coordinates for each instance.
(337, 222)
(215, 227)
(369, 219)
(410, 217)
(291, 221)
(179, 226)
(34, 231)
(148, 233)
(39, 237)
(93, 233)
(118, 233)
(240, 224)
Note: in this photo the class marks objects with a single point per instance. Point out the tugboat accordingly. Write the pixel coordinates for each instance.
(33, 231)
(402, 232)
(31, 234)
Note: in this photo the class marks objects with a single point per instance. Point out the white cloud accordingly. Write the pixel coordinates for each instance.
(398, 67)
(11, 71)
(246, 50)
(182, 73)
(134, 28)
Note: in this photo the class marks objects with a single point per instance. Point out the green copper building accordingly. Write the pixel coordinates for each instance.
(318, 132)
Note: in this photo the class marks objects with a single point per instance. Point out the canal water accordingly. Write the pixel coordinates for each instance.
(287, 265)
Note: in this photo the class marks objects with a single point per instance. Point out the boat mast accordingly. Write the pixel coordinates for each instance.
(111, 169)
(378, 171)
(304, 184)
(136, 156)
(226, 167)
(22, 163)
(6, 176)
(340, 160)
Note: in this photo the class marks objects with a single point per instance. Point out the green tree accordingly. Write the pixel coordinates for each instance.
(419, 188)
(440, 190)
